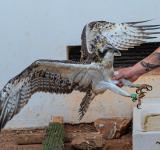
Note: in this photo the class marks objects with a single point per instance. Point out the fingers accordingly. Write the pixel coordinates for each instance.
(120, 74)
(117, 75)
(124, 73)
(120, 84)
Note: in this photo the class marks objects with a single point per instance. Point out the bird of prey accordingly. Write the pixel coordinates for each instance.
(93, 75)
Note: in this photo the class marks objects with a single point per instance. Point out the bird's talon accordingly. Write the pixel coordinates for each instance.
(141, 91)
(149, 88)
(144, 86)
(138, 106)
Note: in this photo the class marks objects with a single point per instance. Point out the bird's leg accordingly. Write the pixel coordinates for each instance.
(103, 85)
(141, 88)
(129, 83)
(126, 83)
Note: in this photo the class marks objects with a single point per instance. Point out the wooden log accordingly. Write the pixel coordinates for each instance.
(37, 138)
(24, 137)
(91, 140)
(29, 138)
(57, 119)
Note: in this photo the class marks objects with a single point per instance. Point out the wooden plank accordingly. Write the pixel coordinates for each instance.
(57, 119)
(29, 138)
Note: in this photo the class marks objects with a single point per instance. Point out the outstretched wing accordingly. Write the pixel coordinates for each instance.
(101, 35)
(42, 75)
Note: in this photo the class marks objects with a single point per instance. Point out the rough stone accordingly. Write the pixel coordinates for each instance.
(118, 144)
(87, 141)
(112, 128)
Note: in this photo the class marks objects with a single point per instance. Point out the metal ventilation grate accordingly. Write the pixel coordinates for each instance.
(128, 58)
(73, 52)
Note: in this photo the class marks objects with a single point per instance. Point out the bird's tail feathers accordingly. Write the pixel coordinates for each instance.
(85, 103)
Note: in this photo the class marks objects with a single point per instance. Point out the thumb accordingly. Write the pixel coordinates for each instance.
(116, 76)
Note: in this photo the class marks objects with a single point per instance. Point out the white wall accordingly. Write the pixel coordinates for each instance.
(33, 29)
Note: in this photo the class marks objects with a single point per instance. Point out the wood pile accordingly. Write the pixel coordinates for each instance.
(103, 134)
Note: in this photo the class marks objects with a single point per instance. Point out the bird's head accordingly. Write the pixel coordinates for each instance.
(96, 43)
(101, 55)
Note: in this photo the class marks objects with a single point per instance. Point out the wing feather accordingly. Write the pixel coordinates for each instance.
(41, 76)
(121, 36)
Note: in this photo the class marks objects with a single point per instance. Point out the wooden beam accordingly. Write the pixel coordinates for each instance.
(57, 119)
(29, 138)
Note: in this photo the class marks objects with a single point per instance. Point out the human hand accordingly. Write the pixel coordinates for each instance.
(129, 73)
(126, 73)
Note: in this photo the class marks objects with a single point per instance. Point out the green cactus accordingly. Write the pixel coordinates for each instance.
(54, 137)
